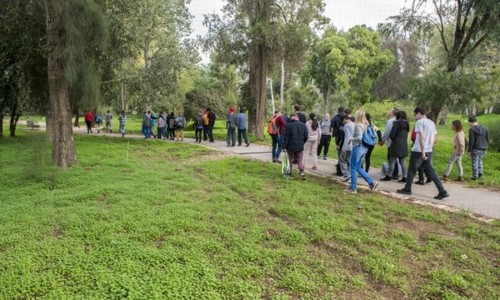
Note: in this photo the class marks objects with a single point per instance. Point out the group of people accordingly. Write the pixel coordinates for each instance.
(355, 139)
(89, 118)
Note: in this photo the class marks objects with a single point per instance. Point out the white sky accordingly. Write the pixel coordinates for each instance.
(342, 13)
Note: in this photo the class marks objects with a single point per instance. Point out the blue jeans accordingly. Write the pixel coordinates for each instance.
(242, 132)
(231, 136)
(146, 130)
(277, 145)
(357, 157)
(415, 162)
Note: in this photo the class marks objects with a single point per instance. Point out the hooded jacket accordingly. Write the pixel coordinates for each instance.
(295, 136)
(478, 138)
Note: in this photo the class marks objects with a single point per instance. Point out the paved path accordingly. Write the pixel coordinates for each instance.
(477, 201)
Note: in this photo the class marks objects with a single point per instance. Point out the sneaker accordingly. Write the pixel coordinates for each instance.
(445, 178)
(386, 178)
(287, 177)
(350, 191)
(459, 179)
(303, 175)
(421, 182)
(428, 180)
(324, 157)
(404, 192)
(248, 144)
(442, 195)
(314, 168)
(473, 178)
(403, 180)
(346, 179)
(480, 175)
(373, 186)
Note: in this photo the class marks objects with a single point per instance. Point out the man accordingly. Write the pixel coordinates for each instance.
(231, 128)
(346, 148)
(180, 123)
(296, 136)
(387, 140)
(276, 129)
(171, 126)
(421, 154)
(211, 122)
(301, 115)
(205, 124)
(478, 145)
(108, 118)
(146, 124)
(337, 130)
(241, 122)
(122, 118)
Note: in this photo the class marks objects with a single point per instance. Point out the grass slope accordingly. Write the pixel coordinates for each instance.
(148, 220)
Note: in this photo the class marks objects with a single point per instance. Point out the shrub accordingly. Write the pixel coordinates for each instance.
(494, 135)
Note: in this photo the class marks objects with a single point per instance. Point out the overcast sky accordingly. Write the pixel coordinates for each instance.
(342, 13)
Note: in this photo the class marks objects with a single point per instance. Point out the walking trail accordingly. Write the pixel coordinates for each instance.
(478, 202)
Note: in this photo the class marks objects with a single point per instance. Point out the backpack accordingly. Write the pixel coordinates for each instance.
(369, 137)
(272, 128)
(198, 123)
(180, 122)
(99, 119)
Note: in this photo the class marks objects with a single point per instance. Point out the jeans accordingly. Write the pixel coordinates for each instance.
(89, 126)
(396, 169)
(277, 145)
(455, 158)
(415, 162)
(393, 163)
(122, 128)
(297, 155)
(324, 143)
(242, 132)
(368, 158)
(312, 147)
(345, 163)
(146, 130)
(476, 158)
(205, 132)
(210, 132)
(357, 157)
(231, 136)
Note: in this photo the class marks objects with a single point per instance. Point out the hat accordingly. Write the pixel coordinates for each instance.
(231, 109)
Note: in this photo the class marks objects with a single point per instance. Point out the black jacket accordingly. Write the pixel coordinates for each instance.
(295, 136)
(399, 139)
(478, 138)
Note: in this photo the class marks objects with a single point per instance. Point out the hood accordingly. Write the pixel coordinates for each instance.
(479, 129)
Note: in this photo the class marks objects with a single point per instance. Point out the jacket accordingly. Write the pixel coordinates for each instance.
(313, 135)
(399, 138)
(478, 138)
(459, 143)
(295, 136)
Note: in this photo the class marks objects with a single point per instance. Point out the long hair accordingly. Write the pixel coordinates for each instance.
(314, 120)
(360, 118)
(458, 125)
(403, 119)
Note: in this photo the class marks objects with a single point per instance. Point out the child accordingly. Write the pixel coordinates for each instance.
(458, 151)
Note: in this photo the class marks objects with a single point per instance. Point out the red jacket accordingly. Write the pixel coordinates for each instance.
(88, 117)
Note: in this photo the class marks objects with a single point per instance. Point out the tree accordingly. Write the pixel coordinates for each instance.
(71, 26)
(347, 63)
(474, 22)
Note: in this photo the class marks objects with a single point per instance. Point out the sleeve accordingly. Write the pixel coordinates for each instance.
(394, 131)
(286, 138)
(306, 135)
(387, 131)
(461, 143)
(471, 140)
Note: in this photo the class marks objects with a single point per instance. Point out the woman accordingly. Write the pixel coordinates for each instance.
(399, 145)
(88, 121)
(458, 151)
(326, 136)
(314, 133)
(358, 153)
(294, 139)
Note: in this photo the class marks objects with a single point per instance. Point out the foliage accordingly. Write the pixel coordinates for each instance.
(347, 63)
(494, 135)
(216, 227)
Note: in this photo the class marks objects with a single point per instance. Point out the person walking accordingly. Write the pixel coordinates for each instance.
(205, 124)
(478, 145)
(162, 124)
(88, 120)
(368, 155)
(276, 128)
(420, 170)
(421, 154)
(241, 123)
(294, 139)
(171, 126)
(231, 128)
(358, 153)
(180, 123)
(211, 123)
(146, 125)
(326, 136)
(198, 127)
(122, 119)
(346, 147)
(98, 122)
(108, 118)
(314, 136)
(337, 131)
(399, 145)
(458, 151)
(386, 139)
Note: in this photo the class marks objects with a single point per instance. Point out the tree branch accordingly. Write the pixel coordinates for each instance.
(441, 26)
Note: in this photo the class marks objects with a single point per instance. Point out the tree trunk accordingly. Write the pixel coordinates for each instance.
(444, 116)
(272, 94)
(260, 88)
(63, 146)
(76, 114)
(14, 117)
(328, 106)
(282, 84)
(1, 125)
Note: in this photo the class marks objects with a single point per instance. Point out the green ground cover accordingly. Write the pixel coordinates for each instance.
(143, 220)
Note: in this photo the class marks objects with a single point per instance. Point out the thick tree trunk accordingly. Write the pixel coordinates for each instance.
(76, 114)
(1, 125)
(260, 88)
(63, 146)
(272, 94)
(14, 117)
(282, 84)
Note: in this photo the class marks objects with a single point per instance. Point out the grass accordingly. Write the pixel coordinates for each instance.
(136, 219)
